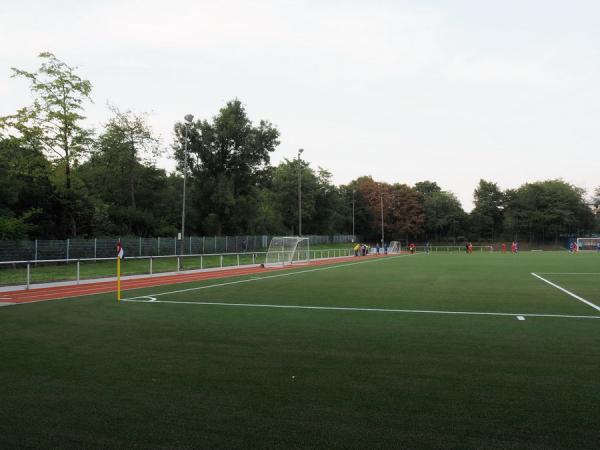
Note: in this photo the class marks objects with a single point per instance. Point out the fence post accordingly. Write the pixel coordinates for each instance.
(36, 249)
(201, 263)
(151, 265)
(215, 244)
(175, 243)
(238, 259)
(203, 238)
(190, 252)
(253, 255)
(28, 274)
(177, 264)
(158, 247)
(95, 248)
(77, 271)
(68, 243)
(140, 246)
(221, 261)
(226, 245)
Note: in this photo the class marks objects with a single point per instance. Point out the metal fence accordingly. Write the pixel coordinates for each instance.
(138, 246)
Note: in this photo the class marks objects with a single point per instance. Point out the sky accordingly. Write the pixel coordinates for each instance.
(404, 91)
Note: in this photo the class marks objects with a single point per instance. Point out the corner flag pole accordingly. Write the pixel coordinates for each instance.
(119, 257)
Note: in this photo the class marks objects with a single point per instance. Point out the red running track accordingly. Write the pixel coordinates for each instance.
(102, 287)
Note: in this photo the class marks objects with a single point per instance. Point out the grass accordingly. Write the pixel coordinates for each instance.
(89, 373)
(50, 272)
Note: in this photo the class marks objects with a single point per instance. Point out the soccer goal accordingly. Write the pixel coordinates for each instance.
(590, 243)
(288, 250)
(395, 247)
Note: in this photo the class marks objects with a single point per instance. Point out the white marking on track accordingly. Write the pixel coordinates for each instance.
(581, 299)
(520, 318)
(342, 308)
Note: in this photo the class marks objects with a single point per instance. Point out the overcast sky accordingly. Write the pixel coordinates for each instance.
(451, 91)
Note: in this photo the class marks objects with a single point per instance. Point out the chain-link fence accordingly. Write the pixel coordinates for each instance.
(139, 246)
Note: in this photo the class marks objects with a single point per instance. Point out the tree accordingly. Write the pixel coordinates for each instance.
(427, 187)
(28, 199)
(228, 161)
(402, 212)
(53, 123)
(138, 197)
(544, 210)
(445, 218)
(126, 142)
(487, 216)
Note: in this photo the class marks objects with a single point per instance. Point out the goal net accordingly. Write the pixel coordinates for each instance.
(288, 250)
(590, 243)
(395, 247)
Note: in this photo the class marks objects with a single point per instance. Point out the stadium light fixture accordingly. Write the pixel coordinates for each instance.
(300, 151)
(188, 121)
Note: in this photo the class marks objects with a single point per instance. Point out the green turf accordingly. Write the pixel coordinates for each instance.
(88, 373)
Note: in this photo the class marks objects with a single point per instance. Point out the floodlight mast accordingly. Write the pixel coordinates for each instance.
(353, 192)
(300, 151)
(188, 119)
(382, 230)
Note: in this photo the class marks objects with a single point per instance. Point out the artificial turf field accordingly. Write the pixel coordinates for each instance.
(90, 373)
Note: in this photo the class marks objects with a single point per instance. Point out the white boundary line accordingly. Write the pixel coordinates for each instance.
(342, 308)
(568, 273)
(596, 307)
(286, 274)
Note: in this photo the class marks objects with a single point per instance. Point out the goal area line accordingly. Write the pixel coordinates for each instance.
(152, 299)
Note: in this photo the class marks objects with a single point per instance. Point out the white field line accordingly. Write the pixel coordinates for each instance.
(268, 277)
(341, 308)
(596, 307)
(520, 318)
(568, 273)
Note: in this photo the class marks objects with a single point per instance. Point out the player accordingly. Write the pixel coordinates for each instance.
(503, 247)
(427, 247)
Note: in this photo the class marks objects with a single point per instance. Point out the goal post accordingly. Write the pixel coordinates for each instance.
(589, 243)
(285, 250)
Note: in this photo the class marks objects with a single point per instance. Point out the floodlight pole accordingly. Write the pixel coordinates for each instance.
(188, 119)
(382, 232)
(353, 191)
(300, 193)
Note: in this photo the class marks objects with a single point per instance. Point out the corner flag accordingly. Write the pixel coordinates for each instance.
(120, 256)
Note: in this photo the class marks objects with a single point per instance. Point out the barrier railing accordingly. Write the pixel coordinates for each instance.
(26, 273)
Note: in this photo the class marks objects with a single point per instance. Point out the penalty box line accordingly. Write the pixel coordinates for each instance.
(268, 277)
(560, 288)
(149, 299)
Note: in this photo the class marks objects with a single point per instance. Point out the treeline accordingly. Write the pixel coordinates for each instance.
(59, 179)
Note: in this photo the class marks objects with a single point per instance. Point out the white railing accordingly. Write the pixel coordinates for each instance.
(183, 263)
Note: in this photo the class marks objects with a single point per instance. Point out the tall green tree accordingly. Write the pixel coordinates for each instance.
(138, 198)
(488, 215)
(545, 210)
(445, 218)
(228, 162)
(53, 123)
